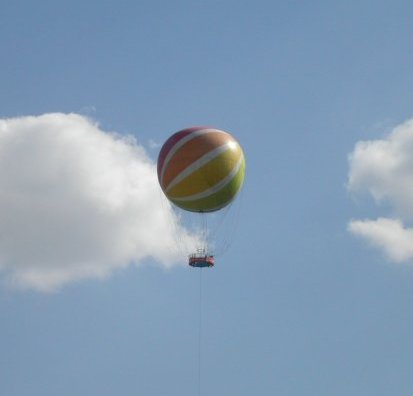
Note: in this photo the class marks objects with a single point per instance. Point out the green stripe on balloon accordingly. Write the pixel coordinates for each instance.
(218, 199)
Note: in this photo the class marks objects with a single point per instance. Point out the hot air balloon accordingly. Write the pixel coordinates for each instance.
(201, 170)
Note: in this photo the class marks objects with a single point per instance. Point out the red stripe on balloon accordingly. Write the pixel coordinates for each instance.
(170, 143)
(192, 151)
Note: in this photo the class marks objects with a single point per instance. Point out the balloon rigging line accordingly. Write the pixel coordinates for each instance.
(200, 332)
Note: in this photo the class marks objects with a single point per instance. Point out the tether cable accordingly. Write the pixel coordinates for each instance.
(200, 332)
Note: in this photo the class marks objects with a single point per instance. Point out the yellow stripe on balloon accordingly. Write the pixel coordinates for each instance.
(208, 175)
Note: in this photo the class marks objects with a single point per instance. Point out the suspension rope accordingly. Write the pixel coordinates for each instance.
(200, 332)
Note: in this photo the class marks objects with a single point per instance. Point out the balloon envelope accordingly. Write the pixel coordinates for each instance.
(201, 169)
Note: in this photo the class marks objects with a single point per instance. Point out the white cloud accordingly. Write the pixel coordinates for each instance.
(388, 235)
(384, 169)
(76, 202)
(154, 145)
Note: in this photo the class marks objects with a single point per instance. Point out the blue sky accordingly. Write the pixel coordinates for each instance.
(299, 305)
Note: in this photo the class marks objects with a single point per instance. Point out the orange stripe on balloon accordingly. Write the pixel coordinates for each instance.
(207, 176)
(192, 151)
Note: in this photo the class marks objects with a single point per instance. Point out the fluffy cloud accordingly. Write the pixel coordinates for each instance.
(384, 169)
(388, 235)
(76, 202)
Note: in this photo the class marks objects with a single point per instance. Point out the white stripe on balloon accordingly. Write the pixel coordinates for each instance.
(226, 180)
(198, 164)
(181, 142)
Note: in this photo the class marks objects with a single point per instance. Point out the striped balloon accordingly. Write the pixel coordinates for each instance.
(201, 169)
